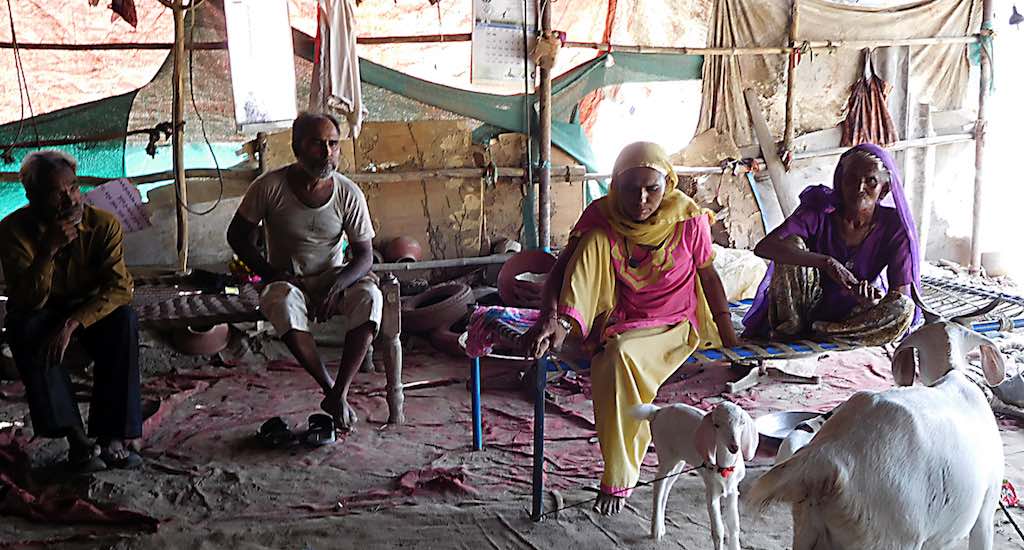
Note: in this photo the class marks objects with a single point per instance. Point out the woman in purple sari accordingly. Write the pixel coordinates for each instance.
(835, 256)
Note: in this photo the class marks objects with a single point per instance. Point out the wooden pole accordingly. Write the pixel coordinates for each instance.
(466, 37)
(980, 128)
(544, 176)
(787, 142)
(787, 203)
(178, 137)
(924, 220)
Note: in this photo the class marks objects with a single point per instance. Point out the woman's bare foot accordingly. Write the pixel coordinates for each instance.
(120, 453)
(115, 449)
(609, 505)
(344, 415)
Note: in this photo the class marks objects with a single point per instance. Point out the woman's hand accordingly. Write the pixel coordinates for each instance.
(838, 273)
(729, 338)
(547, 333)
(868, 293)
(723, 320)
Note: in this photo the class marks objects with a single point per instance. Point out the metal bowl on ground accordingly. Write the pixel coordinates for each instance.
(777, 425)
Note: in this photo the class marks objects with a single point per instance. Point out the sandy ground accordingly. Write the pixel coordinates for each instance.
(211, 486)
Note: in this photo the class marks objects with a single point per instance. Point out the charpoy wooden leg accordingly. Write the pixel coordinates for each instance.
(390, 330)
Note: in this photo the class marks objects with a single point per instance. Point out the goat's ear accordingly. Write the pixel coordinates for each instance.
(992, 364)
(991, 358)
(704, 440)
(904, 366)
(748, 437)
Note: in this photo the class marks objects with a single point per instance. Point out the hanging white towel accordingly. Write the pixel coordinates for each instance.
(335, 86)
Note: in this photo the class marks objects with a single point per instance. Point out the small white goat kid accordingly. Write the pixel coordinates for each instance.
(906, 468)
(719, 441)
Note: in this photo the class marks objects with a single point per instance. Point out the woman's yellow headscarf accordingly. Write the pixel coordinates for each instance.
(675, 205)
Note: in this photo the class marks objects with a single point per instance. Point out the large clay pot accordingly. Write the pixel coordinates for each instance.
(438, 306)
(520, 279)
(403, 249)
(201, 341)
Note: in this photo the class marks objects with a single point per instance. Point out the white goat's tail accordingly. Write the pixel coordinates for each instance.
(645, 411)
(804, 476)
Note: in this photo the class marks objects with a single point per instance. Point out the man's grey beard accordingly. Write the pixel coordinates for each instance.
(317, 170)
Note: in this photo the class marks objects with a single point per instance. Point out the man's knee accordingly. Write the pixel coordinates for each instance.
(281, 295)
(363, 304)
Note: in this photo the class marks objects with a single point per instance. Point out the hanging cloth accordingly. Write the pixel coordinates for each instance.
(335, 86)
(867, 117)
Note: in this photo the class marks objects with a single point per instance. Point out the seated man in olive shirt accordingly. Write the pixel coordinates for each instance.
(64, 267)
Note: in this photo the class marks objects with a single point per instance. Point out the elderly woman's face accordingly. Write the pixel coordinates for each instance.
(640, 191)
(865, 181)
(57, 197)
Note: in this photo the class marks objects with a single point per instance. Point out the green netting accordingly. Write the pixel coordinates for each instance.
(105, 117)
(506, 112)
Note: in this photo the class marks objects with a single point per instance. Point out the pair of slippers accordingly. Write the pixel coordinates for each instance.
(276, 434)
(97, 460)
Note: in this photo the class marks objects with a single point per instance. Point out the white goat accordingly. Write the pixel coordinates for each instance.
(906, 468)
(686, 435)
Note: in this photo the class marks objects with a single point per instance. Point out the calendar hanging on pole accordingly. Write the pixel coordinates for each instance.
(498, 55)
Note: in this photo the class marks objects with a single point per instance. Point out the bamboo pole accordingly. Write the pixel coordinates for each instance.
(441, 264)
(794, 20)
(178, 136)
(898, 146)
(415, 39)
(544, 176)
(113, 46)
(980, 130)
(924, 222)
(465, 37)
(243, 175)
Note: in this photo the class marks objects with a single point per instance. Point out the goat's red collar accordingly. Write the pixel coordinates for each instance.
(724, 472)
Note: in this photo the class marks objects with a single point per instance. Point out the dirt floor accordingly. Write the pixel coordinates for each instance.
(208, 484)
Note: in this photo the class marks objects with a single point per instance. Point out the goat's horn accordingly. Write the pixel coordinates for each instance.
(929, 314)
(991, 306)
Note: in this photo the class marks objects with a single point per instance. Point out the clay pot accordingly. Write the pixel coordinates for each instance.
(520, 279)
(439, 306)
(446, 338)
(506, 246)
(201, 341)
(403, 249)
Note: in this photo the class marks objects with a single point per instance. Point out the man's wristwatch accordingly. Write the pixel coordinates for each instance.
(566, 324)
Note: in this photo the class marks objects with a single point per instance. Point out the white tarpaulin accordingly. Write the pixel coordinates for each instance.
(938, 73)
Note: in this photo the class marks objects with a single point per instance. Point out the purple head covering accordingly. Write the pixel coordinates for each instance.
(823, 199)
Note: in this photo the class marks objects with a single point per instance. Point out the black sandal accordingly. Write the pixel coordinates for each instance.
(275, 434)
(321, 430)
(86, 463)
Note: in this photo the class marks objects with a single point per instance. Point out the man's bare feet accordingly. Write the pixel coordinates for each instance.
(609, 505)
(344, 415)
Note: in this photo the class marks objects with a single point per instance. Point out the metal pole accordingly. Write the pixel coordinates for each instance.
(979, 141)
(537, 512)
(178, 137)
(544, 179)
(787, 144)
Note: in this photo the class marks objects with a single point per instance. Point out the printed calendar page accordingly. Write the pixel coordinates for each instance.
(498, 50)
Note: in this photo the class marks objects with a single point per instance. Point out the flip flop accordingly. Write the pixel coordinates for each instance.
(275, 433)
(131, 461)
(86, 464)
(321, 430)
